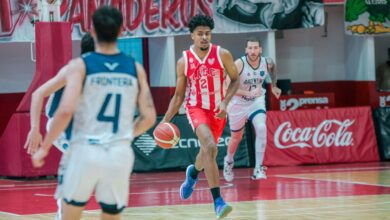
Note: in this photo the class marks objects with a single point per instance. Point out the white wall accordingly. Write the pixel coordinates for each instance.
(16, 68)
(381, 45)
(161, 62)
(360, 58)
(305, 55)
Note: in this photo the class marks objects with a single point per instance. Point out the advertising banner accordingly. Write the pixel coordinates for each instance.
(150, 18)
(320, 136)
(367, 17)
(149, 157)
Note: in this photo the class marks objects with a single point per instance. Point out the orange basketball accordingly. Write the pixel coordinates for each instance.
(166, 135)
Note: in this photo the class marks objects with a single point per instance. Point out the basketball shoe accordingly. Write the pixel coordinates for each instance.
(221, 208)
(259, 173)
(228, 170)
(188, 185)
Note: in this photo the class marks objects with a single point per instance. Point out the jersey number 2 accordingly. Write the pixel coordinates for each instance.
(114, 118)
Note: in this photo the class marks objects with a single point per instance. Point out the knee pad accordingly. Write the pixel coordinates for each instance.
(111, 209)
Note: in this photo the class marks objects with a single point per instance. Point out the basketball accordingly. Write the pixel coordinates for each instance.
(166, 135)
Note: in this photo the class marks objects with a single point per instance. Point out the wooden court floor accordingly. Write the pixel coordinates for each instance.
(343, 191)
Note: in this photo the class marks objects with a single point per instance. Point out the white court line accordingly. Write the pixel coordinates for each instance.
(356, 168)
(9, 213)
(28, 184)
(227, 185)
(272, 212)
(332, 180)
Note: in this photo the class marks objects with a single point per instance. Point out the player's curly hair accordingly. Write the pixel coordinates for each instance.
(201, 20)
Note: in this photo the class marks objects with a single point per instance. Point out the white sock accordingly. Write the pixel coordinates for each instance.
(261, 138)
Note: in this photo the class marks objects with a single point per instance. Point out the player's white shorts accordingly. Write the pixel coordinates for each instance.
(240, 112)
(105, 169)
(61, 143)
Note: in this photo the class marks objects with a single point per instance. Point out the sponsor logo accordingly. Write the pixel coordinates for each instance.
(145, 143)
(111, 66)
(293, 103)
(195, 143)
(328, 133)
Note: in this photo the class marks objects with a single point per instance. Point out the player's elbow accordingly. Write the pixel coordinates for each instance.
(36, 94)
(64, 113)
(150, 117)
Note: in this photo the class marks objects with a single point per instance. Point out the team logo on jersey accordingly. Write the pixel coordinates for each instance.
(111, 66)
(203, 70)
(145, 143)
(191, 60)
(211, 61)
(262, 73)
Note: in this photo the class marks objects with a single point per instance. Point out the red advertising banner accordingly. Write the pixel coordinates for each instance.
(320, 136)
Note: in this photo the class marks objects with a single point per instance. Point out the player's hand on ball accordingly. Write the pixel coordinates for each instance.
(38, 158)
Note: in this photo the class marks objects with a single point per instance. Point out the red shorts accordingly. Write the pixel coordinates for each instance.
(197, 116)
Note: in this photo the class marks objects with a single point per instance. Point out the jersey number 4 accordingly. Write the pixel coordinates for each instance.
(112, 118)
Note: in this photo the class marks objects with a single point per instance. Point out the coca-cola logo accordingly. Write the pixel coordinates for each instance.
(328, 133)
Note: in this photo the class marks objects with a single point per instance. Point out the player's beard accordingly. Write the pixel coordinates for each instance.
(253, 58)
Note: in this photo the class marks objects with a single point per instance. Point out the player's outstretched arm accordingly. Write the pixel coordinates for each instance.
(147, 116)
(231, 69)
(272, 72)
(178, 97)
(34, 137)
(74, 77)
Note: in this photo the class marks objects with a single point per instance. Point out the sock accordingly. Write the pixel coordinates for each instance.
(229, 157)
(215, 192)
(194, 173)
(261, 138)
(259, 154)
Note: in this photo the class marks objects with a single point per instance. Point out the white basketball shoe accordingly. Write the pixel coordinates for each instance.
(228, 170)
(259, 173)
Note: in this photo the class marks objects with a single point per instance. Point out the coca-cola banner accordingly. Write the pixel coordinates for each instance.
(146, 18)
(320, 136)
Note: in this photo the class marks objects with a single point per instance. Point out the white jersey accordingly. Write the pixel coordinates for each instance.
(251, 78)
(107, 104)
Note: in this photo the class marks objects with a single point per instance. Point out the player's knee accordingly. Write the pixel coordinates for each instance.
(209, 150)
(261, 130)
(237, 136)
(111, 209)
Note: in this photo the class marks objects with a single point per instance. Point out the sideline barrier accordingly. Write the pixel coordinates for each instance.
(149, 157)
(337, 135)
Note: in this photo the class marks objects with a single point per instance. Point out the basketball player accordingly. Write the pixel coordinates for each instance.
(54, 88)
(102, 90)
(248, 104)
(200, 72)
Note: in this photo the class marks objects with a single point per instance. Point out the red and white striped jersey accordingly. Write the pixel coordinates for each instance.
(205, 79)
